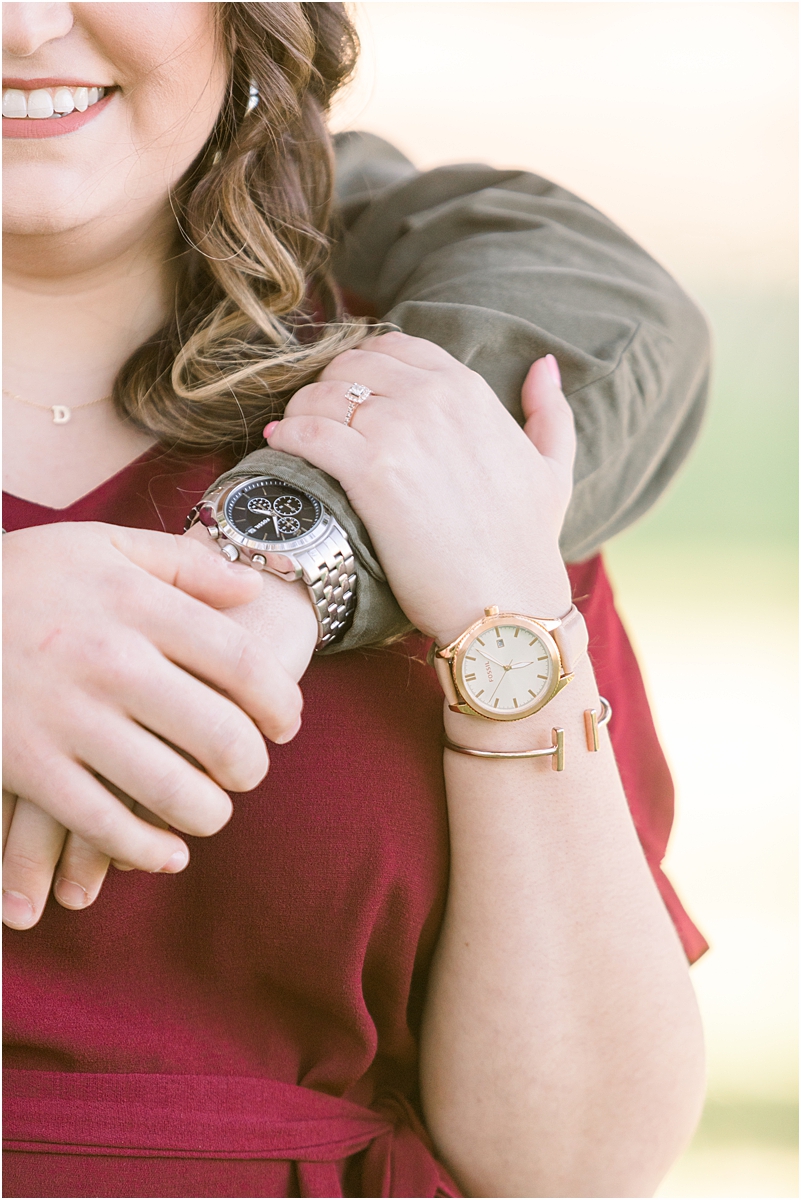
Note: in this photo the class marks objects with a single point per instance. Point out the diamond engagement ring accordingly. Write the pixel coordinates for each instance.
(356, 394)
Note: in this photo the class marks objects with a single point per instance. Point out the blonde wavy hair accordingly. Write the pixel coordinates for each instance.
(256, 315)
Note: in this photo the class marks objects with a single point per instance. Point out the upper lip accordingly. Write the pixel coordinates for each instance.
(30, 85)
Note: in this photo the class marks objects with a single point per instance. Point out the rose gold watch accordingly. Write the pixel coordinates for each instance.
(507, 666)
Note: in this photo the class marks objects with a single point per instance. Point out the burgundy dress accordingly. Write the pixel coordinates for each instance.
(249, 1027)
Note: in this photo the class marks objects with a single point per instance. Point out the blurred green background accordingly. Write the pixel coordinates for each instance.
(713, 564)
(739, 487)
(679, 120)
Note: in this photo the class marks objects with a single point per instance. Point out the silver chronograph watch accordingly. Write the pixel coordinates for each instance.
(275, 526)
(507, 666)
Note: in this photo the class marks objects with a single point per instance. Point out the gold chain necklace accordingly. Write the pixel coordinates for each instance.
(61, 412)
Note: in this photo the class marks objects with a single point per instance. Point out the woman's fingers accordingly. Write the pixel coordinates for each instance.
(325, 443)
(211, 646)
(85, 867)
(155, 776)
(459, 502)
(32, 850)
(394, 366)
(187, 565)
(79, 874)
(328, 398)
(193, 719)
(77, 799)
(121, 650)
(414, 351)
(549, 423)
(382, 373)
(36, 849)
(146, 815)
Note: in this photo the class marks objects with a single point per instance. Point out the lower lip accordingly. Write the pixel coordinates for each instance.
(29, 127)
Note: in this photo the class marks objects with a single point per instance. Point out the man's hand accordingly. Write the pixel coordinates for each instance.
(118, 668)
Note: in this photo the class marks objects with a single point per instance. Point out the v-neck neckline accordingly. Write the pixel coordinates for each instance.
(140, 459)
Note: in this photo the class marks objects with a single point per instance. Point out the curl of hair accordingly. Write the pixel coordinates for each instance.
(253, 217)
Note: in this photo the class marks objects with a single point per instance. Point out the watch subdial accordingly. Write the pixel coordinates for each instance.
(260, 504)
(287, 506)
(288, 526)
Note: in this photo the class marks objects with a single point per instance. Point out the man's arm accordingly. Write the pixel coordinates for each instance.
(501, 268)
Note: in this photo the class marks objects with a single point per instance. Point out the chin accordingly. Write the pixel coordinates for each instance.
(37, 200)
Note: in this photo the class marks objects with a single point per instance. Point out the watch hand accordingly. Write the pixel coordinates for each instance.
(484, 654)
(517, 666)
(497, 685)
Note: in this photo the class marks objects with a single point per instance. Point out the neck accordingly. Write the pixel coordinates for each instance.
(74, 310)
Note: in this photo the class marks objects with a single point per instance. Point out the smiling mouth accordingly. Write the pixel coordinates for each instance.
(51, 103)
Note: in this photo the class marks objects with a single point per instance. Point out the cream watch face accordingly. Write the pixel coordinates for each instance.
(507, 670)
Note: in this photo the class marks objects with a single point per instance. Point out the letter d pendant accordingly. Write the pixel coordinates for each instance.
(61, 414)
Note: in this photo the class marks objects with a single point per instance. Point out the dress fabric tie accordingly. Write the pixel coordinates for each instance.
(223, 1117)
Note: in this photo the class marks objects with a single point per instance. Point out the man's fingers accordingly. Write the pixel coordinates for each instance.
(9, 802)
(32, 850)
(79, 874)
(549, 419)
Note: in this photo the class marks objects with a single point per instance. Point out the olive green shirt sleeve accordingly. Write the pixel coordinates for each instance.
(500, 268)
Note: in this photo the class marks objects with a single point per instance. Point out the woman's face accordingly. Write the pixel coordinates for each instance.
(164, 71)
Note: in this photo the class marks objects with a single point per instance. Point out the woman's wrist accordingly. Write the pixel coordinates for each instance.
(547, 597)
(565, 711)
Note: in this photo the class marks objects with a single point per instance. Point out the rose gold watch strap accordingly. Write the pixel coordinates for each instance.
(445, 678)
(572, 638)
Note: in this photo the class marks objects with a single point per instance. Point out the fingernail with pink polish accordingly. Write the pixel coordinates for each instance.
(553, 369)
(270, 429)
(176, 862)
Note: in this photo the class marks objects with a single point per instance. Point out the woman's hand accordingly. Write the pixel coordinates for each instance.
(560, 1049)
(463, 507)
(113, 651)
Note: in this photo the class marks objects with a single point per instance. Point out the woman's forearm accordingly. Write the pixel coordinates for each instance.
(562, 1051)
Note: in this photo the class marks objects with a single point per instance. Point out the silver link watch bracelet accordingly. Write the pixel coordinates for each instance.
(324, 562)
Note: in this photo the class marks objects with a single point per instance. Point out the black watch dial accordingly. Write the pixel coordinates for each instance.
(269, 510)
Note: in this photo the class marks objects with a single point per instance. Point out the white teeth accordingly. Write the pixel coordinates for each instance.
(63, 101)
(14, 104)
(42, 103)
